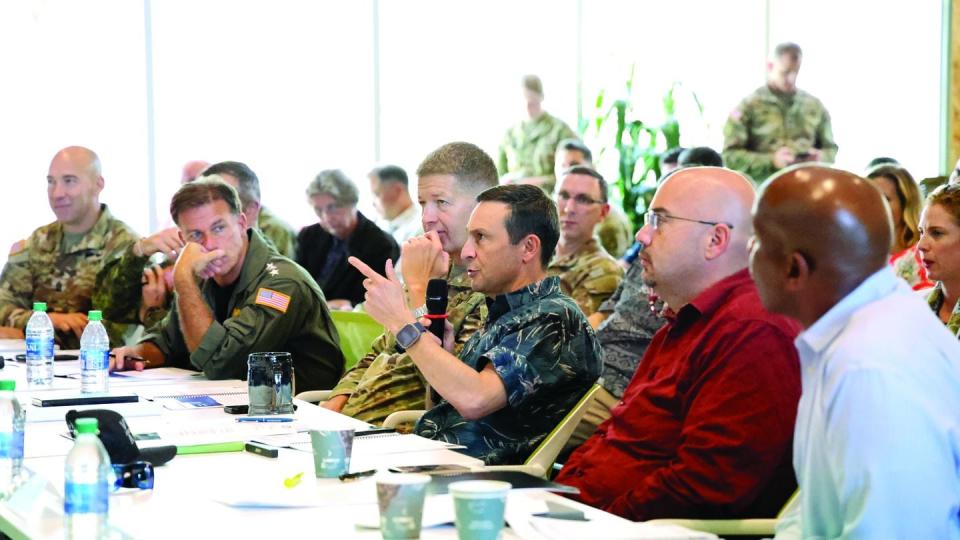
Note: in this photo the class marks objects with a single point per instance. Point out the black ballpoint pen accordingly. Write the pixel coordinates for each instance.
(355, 475)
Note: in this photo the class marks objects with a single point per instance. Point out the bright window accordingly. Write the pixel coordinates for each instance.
(285, 87)
(73, 74)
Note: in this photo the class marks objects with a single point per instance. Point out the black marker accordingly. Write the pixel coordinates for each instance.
(261, 449)
(346, 477)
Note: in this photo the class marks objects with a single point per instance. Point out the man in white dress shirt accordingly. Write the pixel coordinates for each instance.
(391, 198)
(877, 439)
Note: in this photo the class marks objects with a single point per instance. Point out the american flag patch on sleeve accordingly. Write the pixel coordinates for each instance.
(274, 299)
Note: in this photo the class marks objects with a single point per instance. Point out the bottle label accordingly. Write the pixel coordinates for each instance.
(38, 347)
(85, 498)
(11, 445)
(94, 359)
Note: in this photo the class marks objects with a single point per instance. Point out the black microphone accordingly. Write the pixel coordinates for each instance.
(437, 306)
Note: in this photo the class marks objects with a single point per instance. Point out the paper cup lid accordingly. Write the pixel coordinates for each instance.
(480, 488)
(398, 478)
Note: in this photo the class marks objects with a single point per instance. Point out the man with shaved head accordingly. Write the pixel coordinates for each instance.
(704, 429)
(191, 170)
(58, 263)
(877, 438)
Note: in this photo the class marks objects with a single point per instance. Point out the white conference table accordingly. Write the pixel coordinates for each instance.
(240, 494)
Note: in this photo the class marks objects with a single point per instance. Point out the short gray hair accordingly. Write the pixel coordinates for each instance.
(334, 183)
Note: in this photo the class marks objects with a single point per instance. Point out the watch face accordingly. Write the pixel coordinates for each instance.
(409, 334)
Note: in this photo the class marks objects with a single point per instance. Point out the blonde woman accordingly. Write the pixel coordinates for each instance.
(903, 198)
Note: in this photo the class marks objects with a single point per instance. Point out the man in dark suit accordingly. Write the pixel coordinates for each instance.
(342, 232)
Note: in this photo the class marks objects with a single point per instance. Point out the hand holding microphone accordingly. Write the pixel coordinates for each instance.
(437, 306)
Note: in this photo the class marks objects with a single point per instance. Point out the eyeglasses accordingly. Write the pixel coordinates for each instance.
(138, 474)
(580, 199)
(320, 211)
(654, 219)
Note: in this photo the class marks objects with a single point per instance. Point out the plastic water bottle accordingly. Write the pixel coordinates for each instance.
(86, 488)
(39, 347)
(94, 355)
(12, 417)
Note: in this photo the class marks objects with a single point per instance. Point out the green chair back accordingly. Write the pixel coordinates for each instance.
(357, 333)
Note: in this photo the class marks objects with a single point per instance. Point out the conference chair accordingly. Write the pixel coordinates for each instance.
(357, 333)
(758, 527)
(540, 461)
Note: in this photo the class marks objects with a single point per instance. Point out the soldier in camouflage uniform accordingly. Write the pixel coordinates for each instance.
(615, 231)
(527, 150)
(587, 272)
(386, 381)
(59, 262)
(778, 125)
(535, 355)
(281, 235)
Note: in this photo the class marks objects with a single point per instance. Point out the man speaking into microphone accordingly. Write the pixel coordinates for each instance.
(533, 358)
(386, 380)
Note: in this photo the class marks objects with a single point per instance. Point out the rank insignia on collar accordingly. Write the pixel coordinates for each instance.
(272, 269)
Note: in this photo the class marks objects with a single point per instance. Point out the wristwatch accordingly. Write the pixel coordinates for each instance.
(409, 334)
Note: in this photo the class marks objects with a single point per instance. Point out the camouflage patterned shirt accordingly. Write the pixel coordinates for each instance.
(615, 232)
(43, 269)
(547, 356)
(627, 332)
(935, 299)
(766, 121)
(529, 148)
(589, 276)
(385, 381)
(283, 237)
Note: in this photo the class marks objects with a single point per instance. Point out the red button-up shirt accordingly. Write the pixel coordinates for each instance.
(705, 427)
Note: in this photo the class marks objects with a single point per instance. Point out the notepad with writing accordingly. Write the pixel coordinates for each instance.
(194, 401)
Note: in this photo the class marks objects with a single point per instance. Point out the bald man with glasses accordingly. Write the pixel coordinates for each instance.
(705, 427)
(587, 272)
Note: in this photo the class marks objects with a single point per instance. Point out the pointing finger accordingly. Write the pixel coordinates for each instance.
(364, 269)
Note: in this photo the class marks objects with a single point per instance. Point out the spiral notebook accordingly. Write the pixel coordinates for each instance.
(201, 400)
(370, 445)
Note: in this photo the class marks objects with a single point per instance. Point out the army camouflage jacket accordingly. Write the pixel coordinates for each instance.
(589, 276)
(935, 298)
(765, 121)
(615, 232)
(547, 356)
(627, 332)
(385, 381)
(279, 233)
(39, 270)
(275, 306)
(529, 148)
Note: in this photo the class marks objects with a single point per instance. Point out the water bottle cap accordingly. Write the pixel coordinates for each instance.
(87, 425)
(39, 306)
(94, 315)
(8, 385)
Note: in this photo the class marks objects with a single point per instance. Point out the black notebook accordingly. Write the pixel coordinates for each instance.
(82, 399)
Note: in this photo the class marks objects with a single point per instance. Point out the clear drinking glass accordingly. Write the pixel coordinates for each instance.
(270, 383)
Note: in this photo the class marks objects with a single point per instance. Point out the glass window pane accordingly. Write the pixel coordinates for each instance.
(876, 66)
(73, 75)
(450, 71)
(285, 87)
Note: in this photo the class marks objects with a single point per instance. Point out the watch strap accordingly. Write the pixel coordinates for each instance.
(415, 326)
